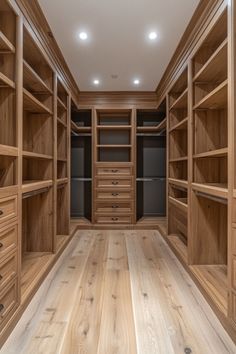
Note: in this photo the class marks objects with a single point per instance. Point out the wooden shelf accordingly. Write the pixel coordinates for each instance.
(178, 182)
(5, 45)
(6, 82)
(213, 279)
(32, 104)
(114, 146)
(178, 159)
(218, 58)
(182, 125)
(33, 81)
(34, 155)
(219, 190)
(80, 130)
(61, 104)
(62, 181)
(61, 159)
(215, 99)
(179, 203)
(154, 128)
(30, 186)
(114, 127)
(215, 153)
(179, 246)
(7, 150)
(181, 102)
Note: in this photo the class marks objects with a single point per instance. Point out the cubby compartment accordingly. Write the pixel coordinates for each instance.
(37, 236)
(178, 119)
(178, 170)
(62, 95)
(178, 93)
(210, 130)
(114, 154)
(36, 169)
(148, 119)
(114, 117)
(8, 175)
(209, 246)
(82, 117)
(178, 194)
(61, 142)
(114, 137)
(211, 47)
(61, 169)
(178, 144)
(8, 126)
(211, 171)
(37, 74)
(63, 219)
(38, 133)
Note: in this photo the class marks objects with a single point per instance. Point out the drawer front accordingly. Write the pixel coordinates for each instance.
(114, 171)
(114, 207)
(8, 301)
(8, 270)
(115, 195)
(114, 183)
(8, 208)
(113, 219)
(8, 240)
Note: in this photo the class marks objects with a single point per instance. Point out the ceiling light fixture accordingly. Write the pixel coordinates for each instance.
(83, 36)
(152, 35)
(136, 81)
(96, 82)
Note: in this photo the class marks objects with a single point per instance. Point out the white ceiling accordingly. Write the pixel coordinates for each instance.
(118, 41)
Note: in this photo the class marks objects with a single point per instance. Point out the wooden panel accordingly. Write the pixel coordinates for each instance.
(8, 209)
(113, 207)
(8, 301)
(113, 183)
(113, 219)
(118, 98)
(115, 195)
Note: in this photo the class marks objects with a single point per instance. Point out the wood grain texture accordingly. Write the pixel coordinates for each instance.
(118, 292)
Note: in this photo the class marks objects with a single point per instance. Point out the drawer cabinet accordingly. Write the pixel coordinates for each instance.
(8, 209)
(116, 195)
(8, 270)
(114, 171)
(113, 219)
(8, 240)
(113, 182)
(114, 207)
(8, 301)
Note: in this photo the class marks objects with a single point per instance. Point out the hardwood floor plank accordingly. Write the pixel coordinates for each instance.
(117, 254)
(82, 332)
(117, 333)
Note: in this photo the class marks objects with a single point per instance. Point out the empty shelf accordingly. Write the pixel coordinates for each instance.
(219, 190)
(32, 104)
(33, 81)
(6, 82)
(5, 44)
(215, 99)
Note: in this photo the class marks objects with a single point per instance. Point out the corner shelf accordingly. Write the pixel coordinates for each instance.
(182, 125)
(215, 153)
(181, 102)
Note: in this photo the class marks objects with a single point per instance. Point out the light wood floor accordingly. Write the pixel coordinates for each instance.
(118, 292)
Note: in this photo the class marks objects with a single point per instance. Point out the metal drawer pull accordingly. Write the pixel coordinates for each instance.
(1, 307)
(1, 244)
(114, 219)
(114, 171)
(1, 212)
(115, 206)
(115, 183)
(115, 194)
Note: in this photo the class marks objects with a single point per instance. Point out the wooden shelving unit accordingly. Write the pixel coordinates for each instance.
(178, 164)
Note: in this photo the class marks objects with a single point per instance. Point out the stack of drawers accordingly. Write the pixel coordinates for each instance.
(9, 293)
(114, 194)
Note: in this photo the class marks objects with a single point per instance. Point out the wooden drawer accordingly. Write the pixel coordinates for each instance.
(113, 219)
(8, 270)
(8, 208)
(114, 207)
(8, 301)
(8, 240)
(114, 171)
(115, 195)
(114, 182)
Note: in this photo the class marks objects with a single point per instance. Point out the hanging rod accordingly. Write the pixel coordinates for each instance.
(146, 179)
(215, 199)
(36, 192)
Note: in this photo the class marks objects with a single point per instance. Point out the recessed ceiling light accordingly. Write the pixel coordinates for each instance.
(152, 35)
(136, 81)
(96, 82)
(83, 36)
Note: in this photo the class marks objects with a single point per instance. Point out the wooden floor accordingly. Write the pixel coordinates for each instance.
(118, 292)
